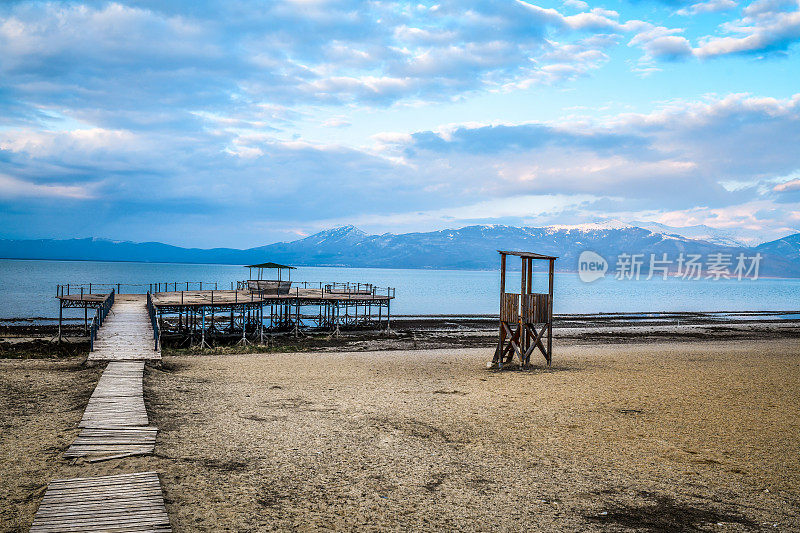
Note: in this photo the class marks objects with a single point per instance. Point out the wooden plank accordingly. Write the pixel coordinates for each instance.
(118, 478)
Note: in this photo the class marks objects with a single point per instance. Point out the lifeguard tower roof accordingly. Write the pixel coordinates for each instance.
(527, 255)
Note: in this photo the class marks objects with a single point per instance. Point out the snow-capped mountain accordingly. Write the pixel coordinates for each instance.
(471, 247)
(722, 236)
(591, 226)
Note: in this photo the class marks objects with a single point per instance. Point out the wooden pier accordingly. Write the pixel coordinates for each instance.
(251, 311)
(114, 425)
(183, 313)
(125, 330)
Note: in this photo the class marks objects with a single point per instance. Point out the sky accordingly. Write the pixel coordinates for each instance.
(238, 123)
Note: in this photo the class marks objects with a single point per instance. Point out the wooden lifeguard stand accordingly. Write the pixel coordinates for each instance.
(522, 332)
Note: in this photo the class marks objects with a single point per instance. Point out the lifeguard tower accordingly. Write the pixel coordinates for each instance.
(526, 318)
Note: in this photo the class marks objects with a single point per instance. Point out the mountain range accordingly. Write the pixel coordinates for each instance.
(471, 247)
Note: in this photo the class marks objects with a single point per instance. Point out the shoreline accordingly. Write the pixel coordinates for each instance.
(12, 325)
(446, 331)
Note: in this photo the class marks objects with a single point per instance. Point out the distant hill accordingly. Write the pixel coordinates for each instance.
(787, 247)
(471, 247)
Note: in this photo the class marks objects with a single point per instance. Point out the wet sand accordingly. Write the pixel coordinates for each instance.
(652, 436)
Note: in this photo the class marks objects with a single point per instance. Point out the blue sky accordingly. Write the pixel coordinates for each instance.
(241, 123)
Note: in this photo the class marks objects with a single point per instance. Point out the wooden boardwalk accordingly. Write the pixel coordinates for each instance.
(114, 425)
(115, 422)
(122, 503)
(126, 334)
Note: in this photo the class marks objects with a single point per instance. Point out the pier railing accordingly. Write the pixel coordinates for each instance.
(151, 310)
(100, 317)
(67, 289)
(337, 288)
(177, 286)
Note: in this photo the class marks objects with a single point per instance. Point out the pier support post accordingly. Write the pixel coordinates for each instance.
(243, 341)
(550, 315)
(388, 330)
(261, 322)
(211, 329)
(203, 343)
(296, 317)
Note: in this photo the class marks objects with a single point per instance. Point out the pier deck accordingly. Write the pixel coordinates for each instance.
(83, 299)
(226, 298)
(206, 316)
(126, 334)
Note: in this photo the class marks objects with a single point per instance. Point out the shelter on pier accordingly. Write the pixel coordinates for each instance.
(526, 318)
(278, 268)
(280, 283)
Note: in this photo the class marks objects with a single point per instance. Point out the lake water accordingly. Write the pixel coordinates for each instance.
(28, 288)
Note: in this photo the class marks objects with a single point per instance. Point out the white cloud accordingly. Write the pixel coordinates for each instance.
(107, 64)
(336, 122)
(768, 25)
(576, 4)
(48, 143)
(660, 42)
(710, 6)
(761, 219)
(525, 207)
(670, 160)
(793, 185)
(674, 158)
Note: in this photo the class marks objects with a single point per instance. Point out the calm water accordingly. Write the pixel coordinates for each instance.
(28, 288)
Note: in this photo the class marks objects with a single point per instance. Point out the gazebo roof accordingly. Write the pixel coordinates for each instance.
(270, 265)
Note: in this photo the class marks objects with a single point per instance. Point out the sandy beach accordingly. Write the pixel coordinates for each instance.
(651, 436)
